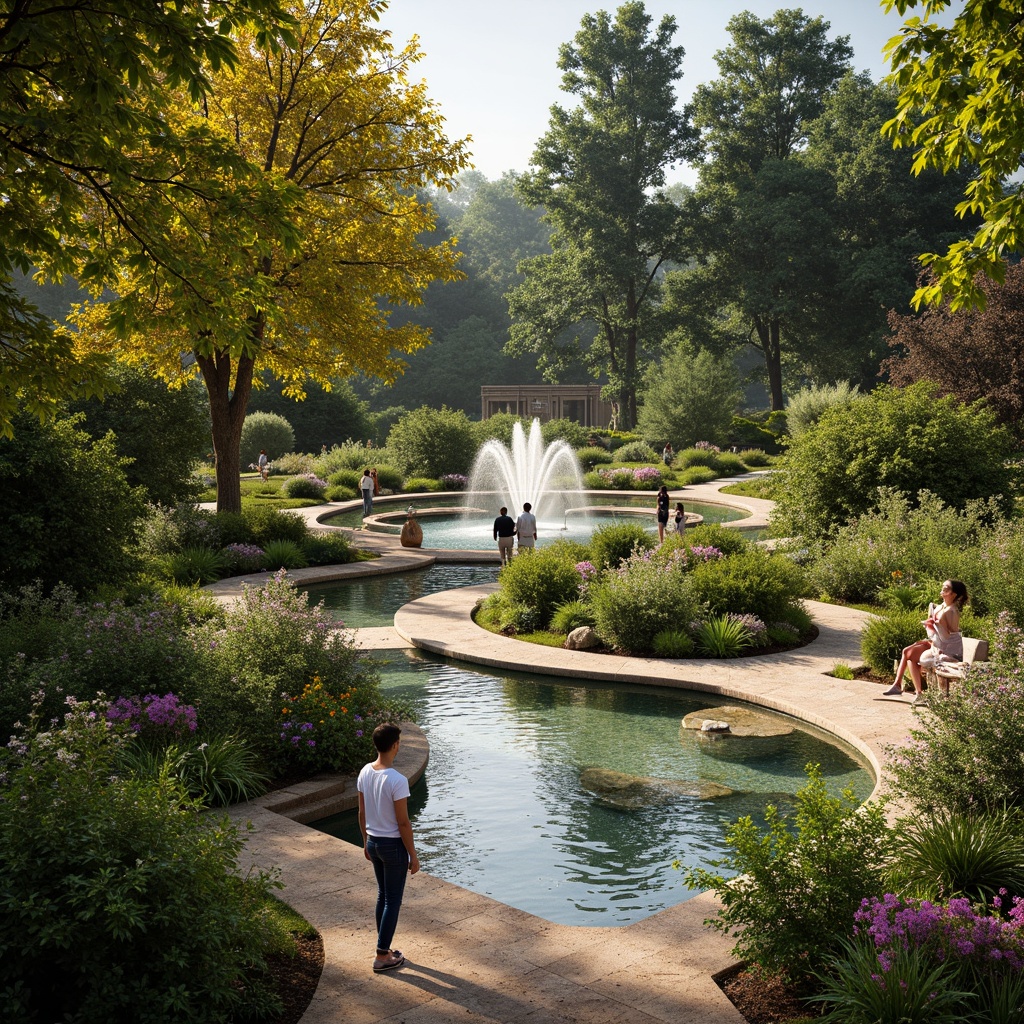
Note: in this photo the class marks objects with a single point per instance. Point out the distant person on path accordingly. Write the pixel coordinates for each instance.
(680, 519)
(263, 464)
(366, 486)
(387, 838)
(526, 528)
(945, 641)
(668, 455)
(505, 535)
(663, 503)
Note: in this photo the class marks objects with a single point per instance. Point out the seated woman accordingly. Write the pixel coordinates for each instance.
(944, 643)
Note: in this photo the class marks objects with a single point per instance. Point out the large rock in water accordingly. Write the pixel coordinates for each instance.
(632, 792)
(734, 732)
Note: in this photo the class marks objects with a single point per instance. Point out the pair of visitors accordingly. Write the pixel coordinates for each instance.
(366, 487)
(945, 641)
(505, 534)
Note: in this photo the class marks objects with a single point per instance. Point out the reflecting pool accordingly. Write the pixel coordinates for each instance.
(503, 809)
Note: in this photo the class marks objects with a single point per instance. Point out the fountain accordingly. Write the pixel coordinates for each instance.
(548, 477)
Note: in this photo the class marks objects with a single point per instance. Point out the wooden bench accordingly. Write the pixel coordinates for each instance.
(939, 676)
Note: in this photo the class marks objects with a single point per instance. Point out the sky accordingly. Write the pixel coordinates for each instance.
(490, 64)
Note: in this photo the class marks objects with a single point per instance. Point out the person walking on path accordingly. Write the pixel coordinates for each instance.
(663, 501)
(387, 838)
(526, 528)
(505, 535)
(945, 641)
(262, 463)
(366, 486)
(680, 519)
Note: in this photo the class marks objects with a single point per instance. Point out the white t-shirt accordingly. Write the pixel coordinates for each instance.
(526, 527)
(366, 482)
(380, 790)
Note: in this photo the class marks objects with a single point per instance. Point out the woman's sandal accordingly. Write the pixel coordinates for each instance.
(388, 963)
(894, 691)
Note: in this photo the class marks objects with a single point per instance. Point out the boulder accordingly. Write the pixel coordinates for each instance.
(632, 792)
(583, 638)
(747, 733)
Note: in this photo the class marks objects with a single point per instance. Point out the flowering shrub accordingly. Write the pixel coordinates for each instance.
(647, 478)
(617, 479)
(750, 582)
(587, 571)
(707, 446)
(241, 559)
(702, 553)
(306, 485)
(154, 717)
(454, 482)
(325, 730)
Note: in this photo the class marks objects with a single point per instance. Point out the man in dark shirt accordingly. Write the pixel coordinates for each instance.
(504, 534)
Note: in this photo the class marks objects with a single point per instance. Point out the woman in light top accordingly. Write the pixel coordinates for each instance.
(945, 641)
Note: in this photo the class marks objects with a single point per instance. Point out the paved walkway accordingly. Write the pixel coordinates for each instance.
(472, 959)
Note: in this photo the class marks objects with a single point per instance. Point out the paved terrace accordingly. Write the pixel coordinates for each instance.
(472, 959)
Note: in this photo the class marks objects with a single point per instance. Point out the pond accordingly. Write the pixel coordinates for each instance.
(373, 600)
(503, 809)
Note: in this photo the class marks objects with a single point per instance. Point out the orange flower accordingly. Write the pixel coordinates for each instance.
(332, 714)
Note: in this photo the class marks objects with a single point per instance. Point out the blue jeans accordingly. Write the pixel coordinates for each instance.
(390, 861)
(367, 501)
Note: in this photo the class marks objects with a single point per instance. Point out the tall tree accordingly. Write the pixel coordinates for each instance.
(775, 78)
(959, 107)
(336, 124)
(87, 155)
(599, 171)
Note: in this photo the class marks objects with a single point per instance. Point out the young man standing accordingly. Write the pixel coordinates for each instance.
(505, 534)
(526, 528)
(366, 486)
(387, 838)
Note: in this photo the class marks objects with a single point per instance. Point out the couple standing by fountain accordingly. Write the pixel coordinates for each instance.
(506, 529)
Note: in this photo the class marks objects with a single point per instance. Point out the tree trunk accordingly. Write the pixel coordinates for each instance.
(769, 336)
(227, 414)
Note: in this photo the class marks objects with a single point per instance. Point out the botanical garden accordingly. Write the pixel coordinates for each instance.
(244, 267)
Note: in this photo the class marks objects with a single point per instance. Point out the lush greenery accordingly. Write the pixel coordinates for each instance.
(715, 588)
(434, 441)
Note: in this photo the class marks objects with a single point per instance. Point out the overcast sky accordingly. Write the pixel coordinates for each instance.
(490, 64)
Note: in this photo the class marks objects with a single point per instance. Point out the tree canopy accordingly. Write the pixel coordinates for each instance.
(959, 107)
(344, 139)
(599, 173)
(89, 158)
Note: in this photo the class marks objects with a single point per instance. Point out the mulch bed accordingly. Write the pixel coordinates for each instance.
(766, 1000)
(297, 976)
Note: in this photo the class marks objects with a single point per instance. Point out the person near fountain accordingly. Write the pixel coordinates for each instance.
(680, 519)
(526, 528)
(387, 838)
(366, 486)
(505, 535)
(667, 455)
(945, 641)
(663, 502)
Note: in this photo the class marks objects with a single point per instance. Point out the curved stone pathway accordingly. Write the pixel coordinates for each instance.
(472, 959)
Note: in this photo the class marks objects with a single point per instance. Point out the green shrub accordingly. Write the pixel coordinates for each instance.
(591, 457)
(283, 554)
(613, 543)
(229, 528)
(696, 475)
(789, 892)
(348, 478)
(499, 427)
(615, 479)
(750, 582)
(746, 431)
(432, 442)
(644, 598)
(729, 542)
(292, 464)
(327, 549)
(593, 481)
(114, 890)
(270, 524)
(540, 581)
(351, 455)
(194, 566)
(806, 406)
(883, 638)
(729, 464)
(509, 616)
(840, 670)
(340, 493)
(309, 487)
(907, 439)
(265, 430)
(721, 636)
(673, 643)
(389, 478)
(949, 854)
(570, 615)
(755, 458)
(574, 434)
(421, 484)
(697, 457)
(636, 451)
